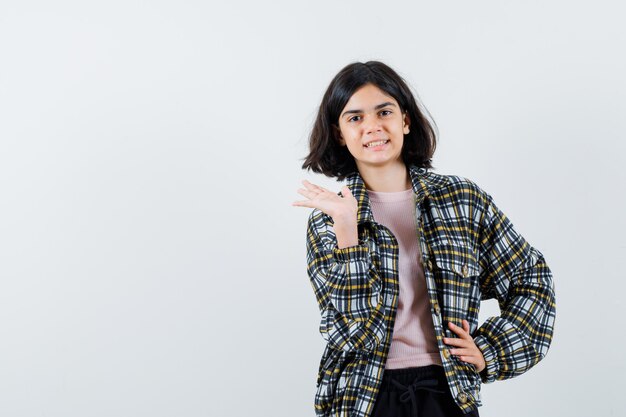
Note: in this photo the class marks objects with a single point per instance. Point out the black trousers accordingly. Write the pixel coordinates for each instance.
(421, 391)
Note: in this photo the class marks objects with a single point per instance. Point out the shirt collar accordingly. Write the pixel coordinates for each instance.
(422, 181)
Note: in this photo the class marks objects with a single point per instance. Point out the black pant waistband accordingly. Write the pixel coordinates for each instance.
(407, 376)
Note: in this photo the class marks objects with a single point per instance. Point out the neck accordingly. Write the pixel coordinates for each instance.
(386, 179)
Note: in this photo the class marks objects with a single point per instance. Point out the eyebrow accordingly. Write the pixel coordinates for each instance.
(380, 106)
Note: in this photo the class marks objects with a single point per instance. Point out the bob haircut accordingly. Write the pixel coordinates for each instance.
(328, 157)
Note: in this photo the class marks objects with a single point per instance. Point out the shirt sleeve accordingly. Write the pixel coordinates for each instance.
(347, 287)
(516, 274)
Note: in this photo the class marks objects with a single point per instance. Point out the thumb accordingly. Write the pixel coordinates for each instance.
(345, 191)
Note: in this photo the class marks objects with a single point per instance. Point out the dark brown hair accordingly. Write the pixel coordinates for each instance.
(328, 157)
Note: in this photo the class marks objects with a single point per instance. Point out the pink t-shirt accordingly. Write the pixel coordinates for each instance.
(414, 342)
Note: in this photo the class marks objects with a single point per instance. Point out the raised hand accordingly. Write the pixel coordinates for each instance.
(337, 207)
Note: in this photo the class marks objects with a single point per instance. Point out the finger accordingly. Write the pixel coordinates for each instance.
(313, 192)
(469, 359)
(302, 203)
(307, 193)
(455, 341)
(471, 355)
(466, 326)
(311, 186)
(462, 352)
(459, 331)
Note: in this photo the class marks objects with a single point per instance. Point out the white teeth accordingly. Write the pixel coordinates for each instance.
(380, 142)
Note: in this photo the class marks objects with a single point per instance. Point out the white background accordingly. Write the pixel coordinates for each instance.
(151, 263)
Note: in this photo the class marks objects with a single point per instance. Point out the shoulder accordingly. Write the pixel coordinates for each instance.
(460, 189)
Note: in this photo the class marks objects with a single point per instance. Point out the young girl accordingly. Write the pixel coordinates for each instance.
(400, 259)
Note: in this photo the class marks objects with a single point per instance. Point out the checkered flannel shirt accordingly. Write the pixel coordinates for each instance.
(470, 252)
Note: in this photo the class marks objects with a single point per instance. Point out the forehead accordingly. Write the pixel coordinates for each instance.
(367, 97)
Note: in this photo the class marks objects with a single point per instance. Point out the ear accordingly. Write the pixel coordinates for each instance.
(338, 136)
(406, 123)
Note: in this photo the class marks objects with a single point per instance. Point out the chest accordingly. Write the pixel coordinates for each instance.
(448, 256)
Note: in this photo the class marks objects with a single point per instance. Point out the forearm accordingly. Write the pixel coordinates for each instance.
(351, 319)
(516, 274)
(347, 286)
(515, 341)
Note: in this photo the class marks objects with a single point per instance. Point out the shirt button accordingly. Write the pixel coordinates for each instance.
(437, 309)
(446, 353)
(464, 270)
(429, 264)
(462, 397)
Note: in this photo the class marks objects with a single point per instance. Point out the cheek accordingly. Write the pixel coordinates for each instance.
(356, 146)
(352, 136)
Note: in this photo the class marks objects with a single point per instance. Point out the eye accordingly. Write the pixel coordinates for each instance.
(352, 118)
(386, 111)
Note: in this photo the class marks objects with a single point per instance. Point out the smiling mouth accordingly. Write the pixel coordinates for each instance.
(376, 144)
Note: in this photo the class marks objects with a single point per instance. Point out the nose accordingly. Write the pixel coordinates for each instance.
(372, 125)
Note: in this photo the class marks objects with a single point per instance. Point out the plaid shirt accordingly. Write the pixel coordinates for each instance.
(470, 253)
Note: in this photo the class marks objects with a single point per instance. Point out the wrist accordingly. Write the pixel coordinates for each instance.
(346, 232)
(345, 219)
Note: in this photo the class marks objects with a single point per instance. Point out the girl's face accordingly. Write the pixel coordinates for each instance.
(369, 117)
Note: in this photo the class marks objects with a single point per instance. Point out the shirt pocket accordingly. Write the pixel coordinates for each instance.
(456, 272)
